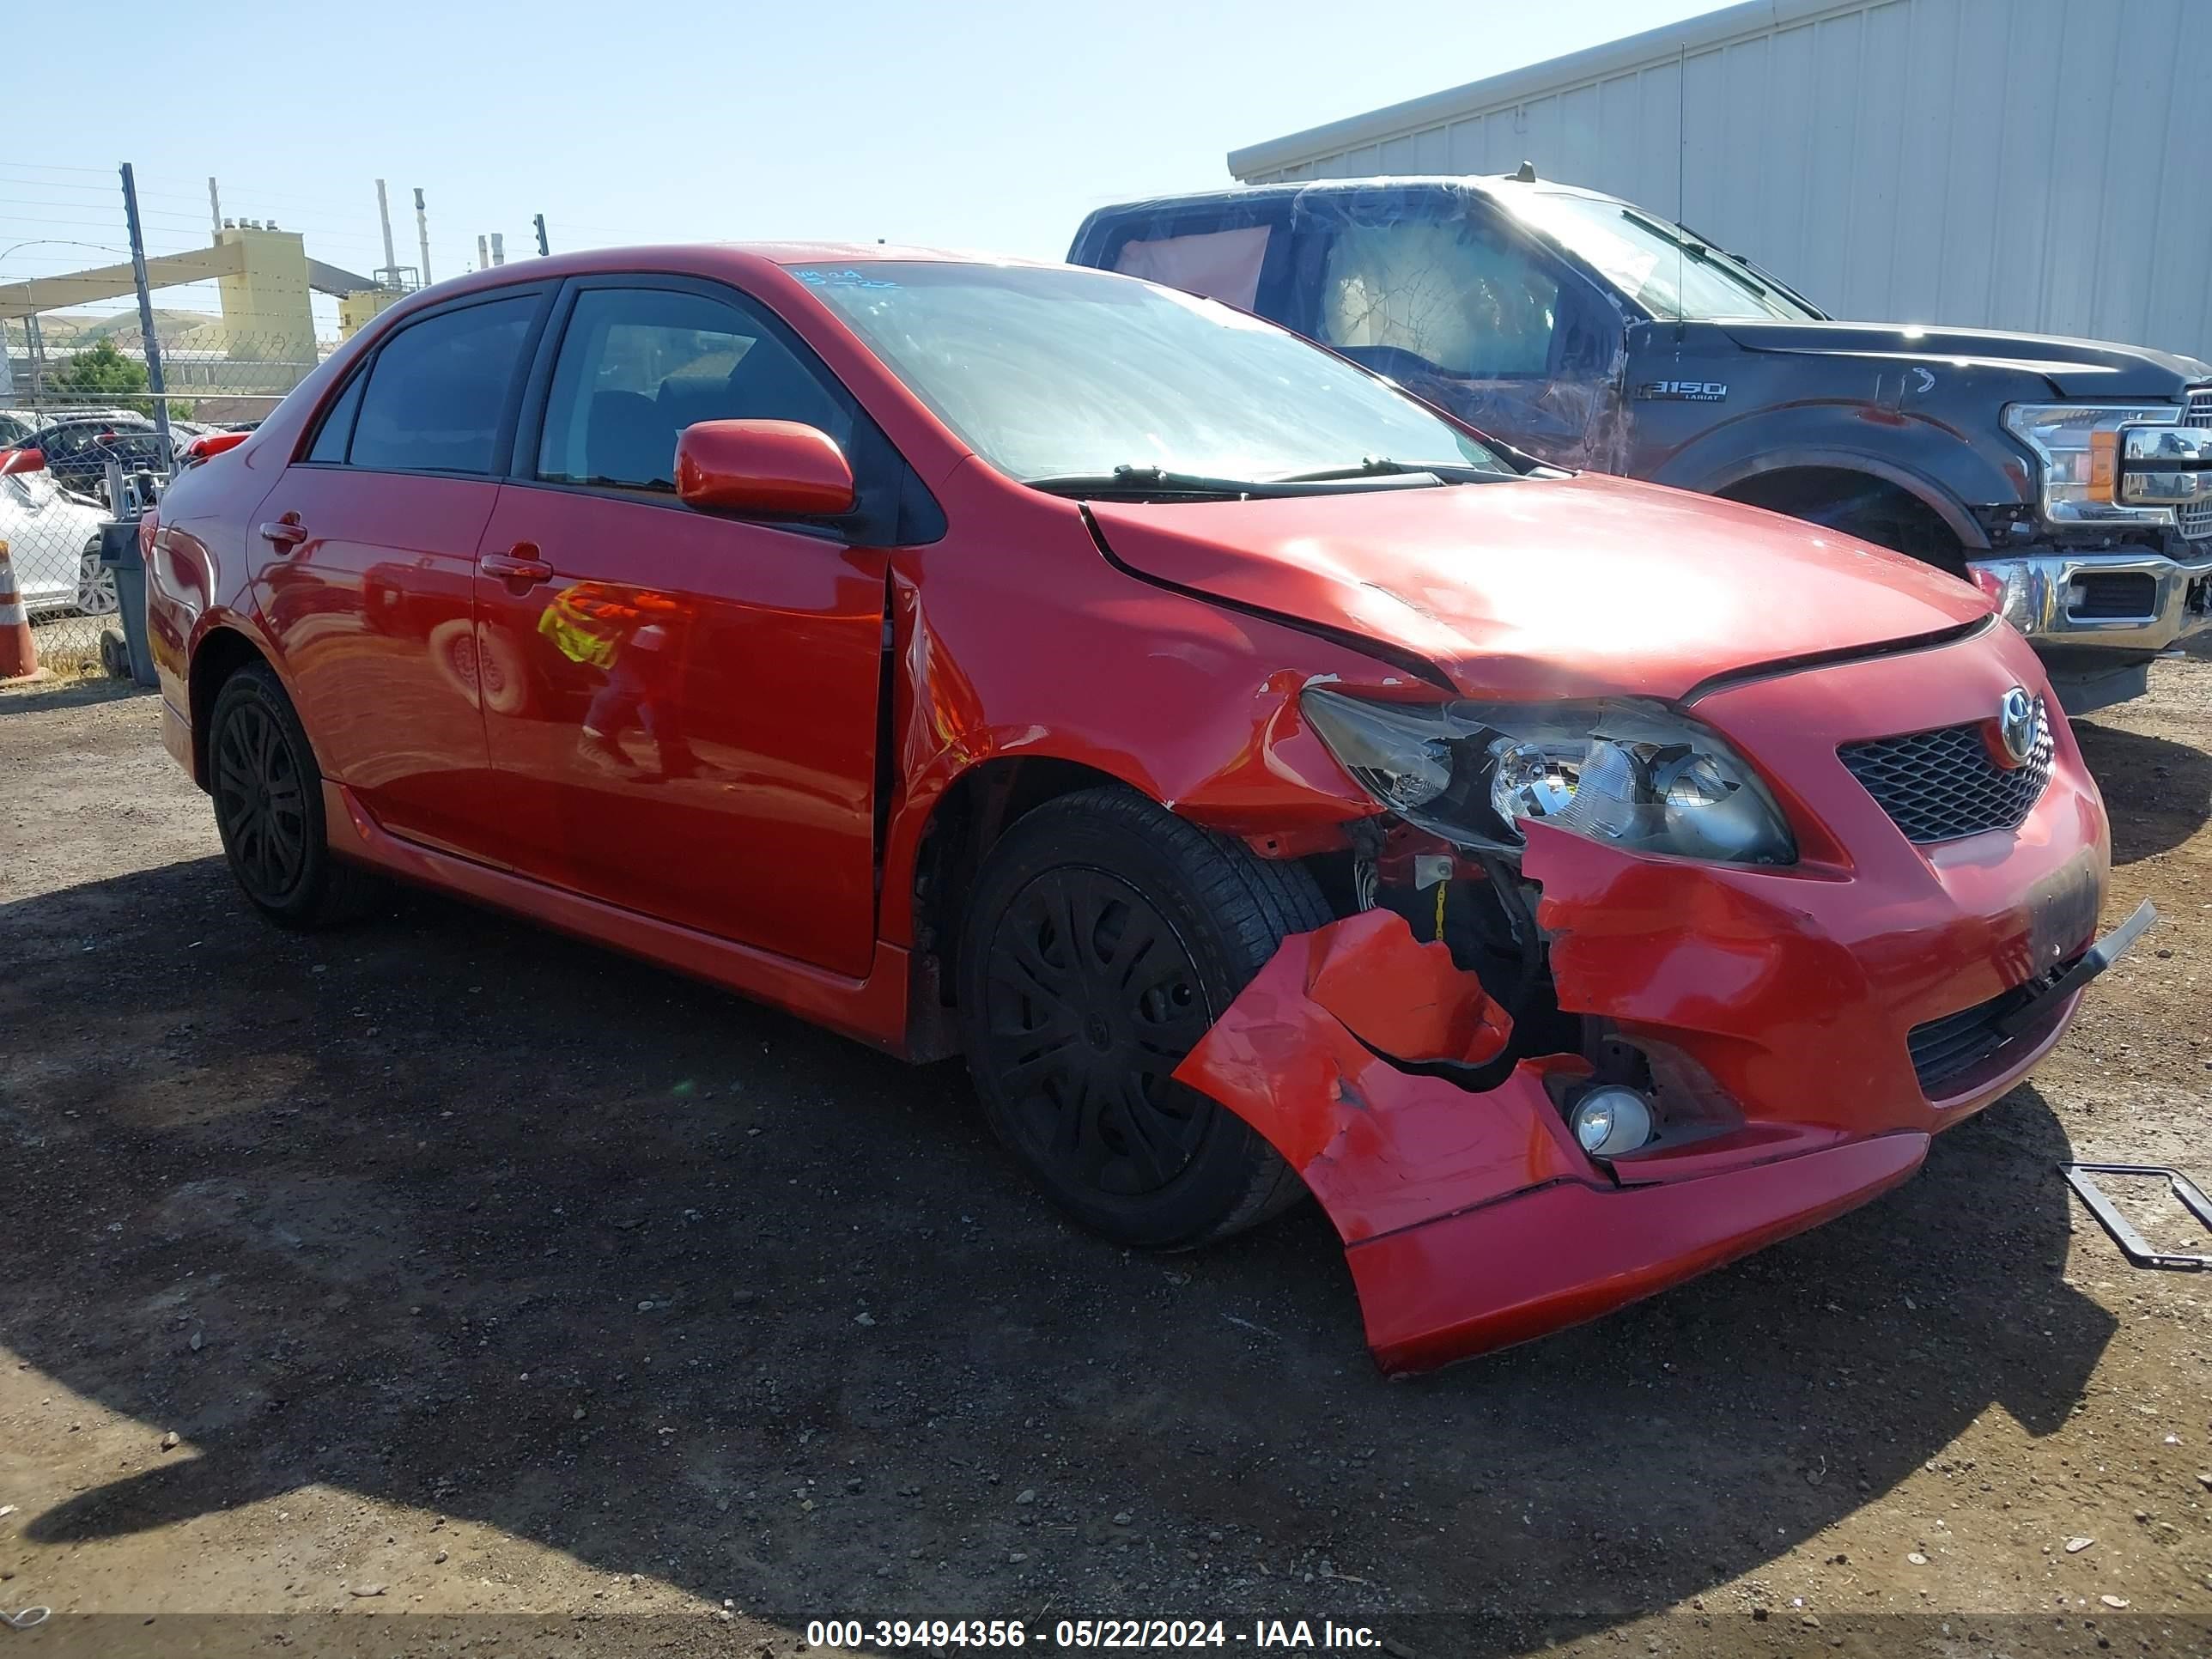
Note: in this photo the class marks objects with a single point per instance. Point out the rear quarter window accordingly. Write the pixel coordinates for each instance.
(1220, 264)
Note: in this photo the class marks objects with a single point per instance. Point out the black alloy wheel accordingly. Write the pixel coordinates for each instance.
(260, 805)
(268, 793)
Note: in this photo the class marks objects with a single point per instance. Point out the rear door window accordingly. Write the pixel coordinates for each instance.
(439, 389)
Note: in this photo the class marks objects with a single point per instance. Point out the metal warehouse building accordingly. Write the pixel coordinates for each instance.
(2023, 164)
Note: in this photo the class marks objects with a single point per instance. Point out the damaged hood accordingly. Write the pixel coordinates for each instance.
(1538, 587)
(2087, 369)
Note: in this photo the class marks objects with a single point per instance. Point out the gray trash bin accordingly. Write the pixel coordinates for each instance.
(118, 552)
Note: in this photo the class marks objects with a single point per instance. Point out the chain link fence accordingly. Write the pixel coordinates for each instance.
(81, 399)
(132, 327)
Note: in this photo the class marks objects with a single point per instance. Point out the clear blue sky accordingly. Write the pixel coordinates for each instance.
(990, 125)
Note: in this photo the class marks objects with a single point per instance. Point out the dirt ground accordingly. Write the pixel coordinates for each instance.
(443, 1269)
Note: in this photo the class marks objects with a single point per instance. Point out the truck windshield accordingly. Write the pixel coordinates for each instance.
(1663, 267)
(1050, 372)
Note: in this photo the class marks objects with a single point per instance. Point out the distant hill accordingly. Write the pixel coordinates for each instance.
(72, 330)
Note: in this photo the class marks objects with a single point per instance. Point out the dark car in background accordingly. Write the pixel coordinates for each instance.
(2070, 479)
(78, 448)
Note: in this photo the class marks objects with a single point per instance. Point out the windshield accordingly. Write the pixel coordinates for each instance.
(1053, 372)
(1663, 267)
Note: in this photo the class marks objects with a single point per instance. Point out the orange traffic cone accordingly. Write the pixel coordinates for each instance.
(19, 651)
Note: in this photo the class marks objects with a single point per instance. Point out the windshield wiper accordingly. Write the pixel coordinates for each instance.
(1161, 482)
(1129, 480)
(1382, 466)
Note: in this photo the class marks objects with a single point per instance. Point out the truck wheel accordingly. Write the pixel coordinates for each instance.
(269, 807)
(1104, 937)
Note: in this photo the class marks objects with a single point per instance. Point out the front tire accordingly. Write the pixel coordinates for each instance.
(1104, 938)
(268, 794)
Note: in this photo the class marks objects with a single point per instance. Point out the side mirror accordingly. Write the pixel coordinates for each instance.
(23, 460)
(770, 468)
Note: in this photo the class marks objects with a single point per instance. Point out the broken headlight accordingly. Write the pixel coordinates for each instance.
(1630, 774)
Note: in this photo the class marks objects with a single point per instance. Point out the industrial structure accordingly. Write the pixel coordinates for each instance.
(2022, 164)
(264, 343)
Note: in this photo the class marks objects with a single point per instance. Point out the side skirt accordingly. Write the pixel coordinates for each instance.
(872, 1010)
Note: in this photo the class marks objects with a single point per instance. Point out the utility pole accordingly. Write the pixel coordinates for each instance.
(484, 252)
(215, 203)
(498, 249)
(38, 351)
(155, 382)
(422, 230)
(542, 249)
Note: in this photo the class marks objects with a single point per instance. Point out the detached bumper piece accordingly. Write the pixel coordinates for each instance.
(1470, 1218)
(2082, 1177)
(1546, 1260)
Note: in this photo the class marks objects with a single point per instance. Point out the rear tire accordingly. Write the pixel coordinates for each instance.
(268, 794)
(1103, 939)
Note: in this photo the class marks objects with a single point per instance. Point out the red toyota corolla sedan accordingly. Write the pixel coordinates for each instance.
(1267, 783)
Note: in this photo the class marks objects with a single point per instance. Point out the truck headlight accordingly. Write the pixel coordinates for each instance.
(1626, 772)
(2079, 447)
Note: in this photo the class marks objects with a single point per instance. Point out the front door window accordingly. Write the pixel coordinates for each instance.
(1465, 303)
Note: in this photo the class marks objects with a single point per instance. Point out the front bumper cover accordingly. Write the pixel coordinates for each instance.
(1471, 1220)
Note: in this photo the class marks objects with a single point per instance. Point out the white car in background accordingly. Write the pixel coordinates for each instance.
(54, 543)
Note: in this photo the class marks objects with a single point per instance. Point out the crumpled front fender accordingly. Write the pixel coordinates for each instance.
(1305, 1055)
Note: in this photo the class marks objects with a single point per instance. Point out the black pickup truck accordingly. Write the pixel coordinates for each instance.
(2070, 479)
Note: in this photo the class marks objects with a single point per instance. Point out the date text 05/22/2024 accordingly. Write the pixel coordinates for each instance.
(884, 1636)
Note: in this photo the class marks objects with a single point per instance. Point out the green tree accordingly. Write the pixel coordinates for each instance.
(100, 373)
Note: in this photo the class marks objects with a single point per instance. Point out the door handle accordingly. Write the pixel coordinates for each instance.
(285, 533)
(522, 565)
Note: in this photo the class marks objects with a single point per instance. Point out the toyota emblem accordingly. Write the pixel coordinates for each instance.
(2016, 724)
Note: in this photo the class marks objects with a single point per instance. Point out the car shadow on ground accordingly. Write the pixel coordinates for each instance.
(443, 1210)
(40, 695)
(2159, 791)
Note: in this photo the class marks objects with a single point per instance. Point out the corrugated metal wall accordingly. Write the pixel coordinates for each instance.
(2029, 164)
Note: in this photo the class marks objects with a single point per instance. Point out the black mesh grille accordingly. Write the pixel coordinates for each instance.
(1944, 1050)
(1940, 785)
(2114, 594)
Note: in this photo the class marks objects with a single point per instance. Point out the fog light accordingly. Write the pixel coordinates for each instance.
(1610, 1121)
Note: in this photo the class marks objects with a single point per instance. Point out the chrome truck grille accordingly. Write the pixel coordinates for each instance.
(2195, 521)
